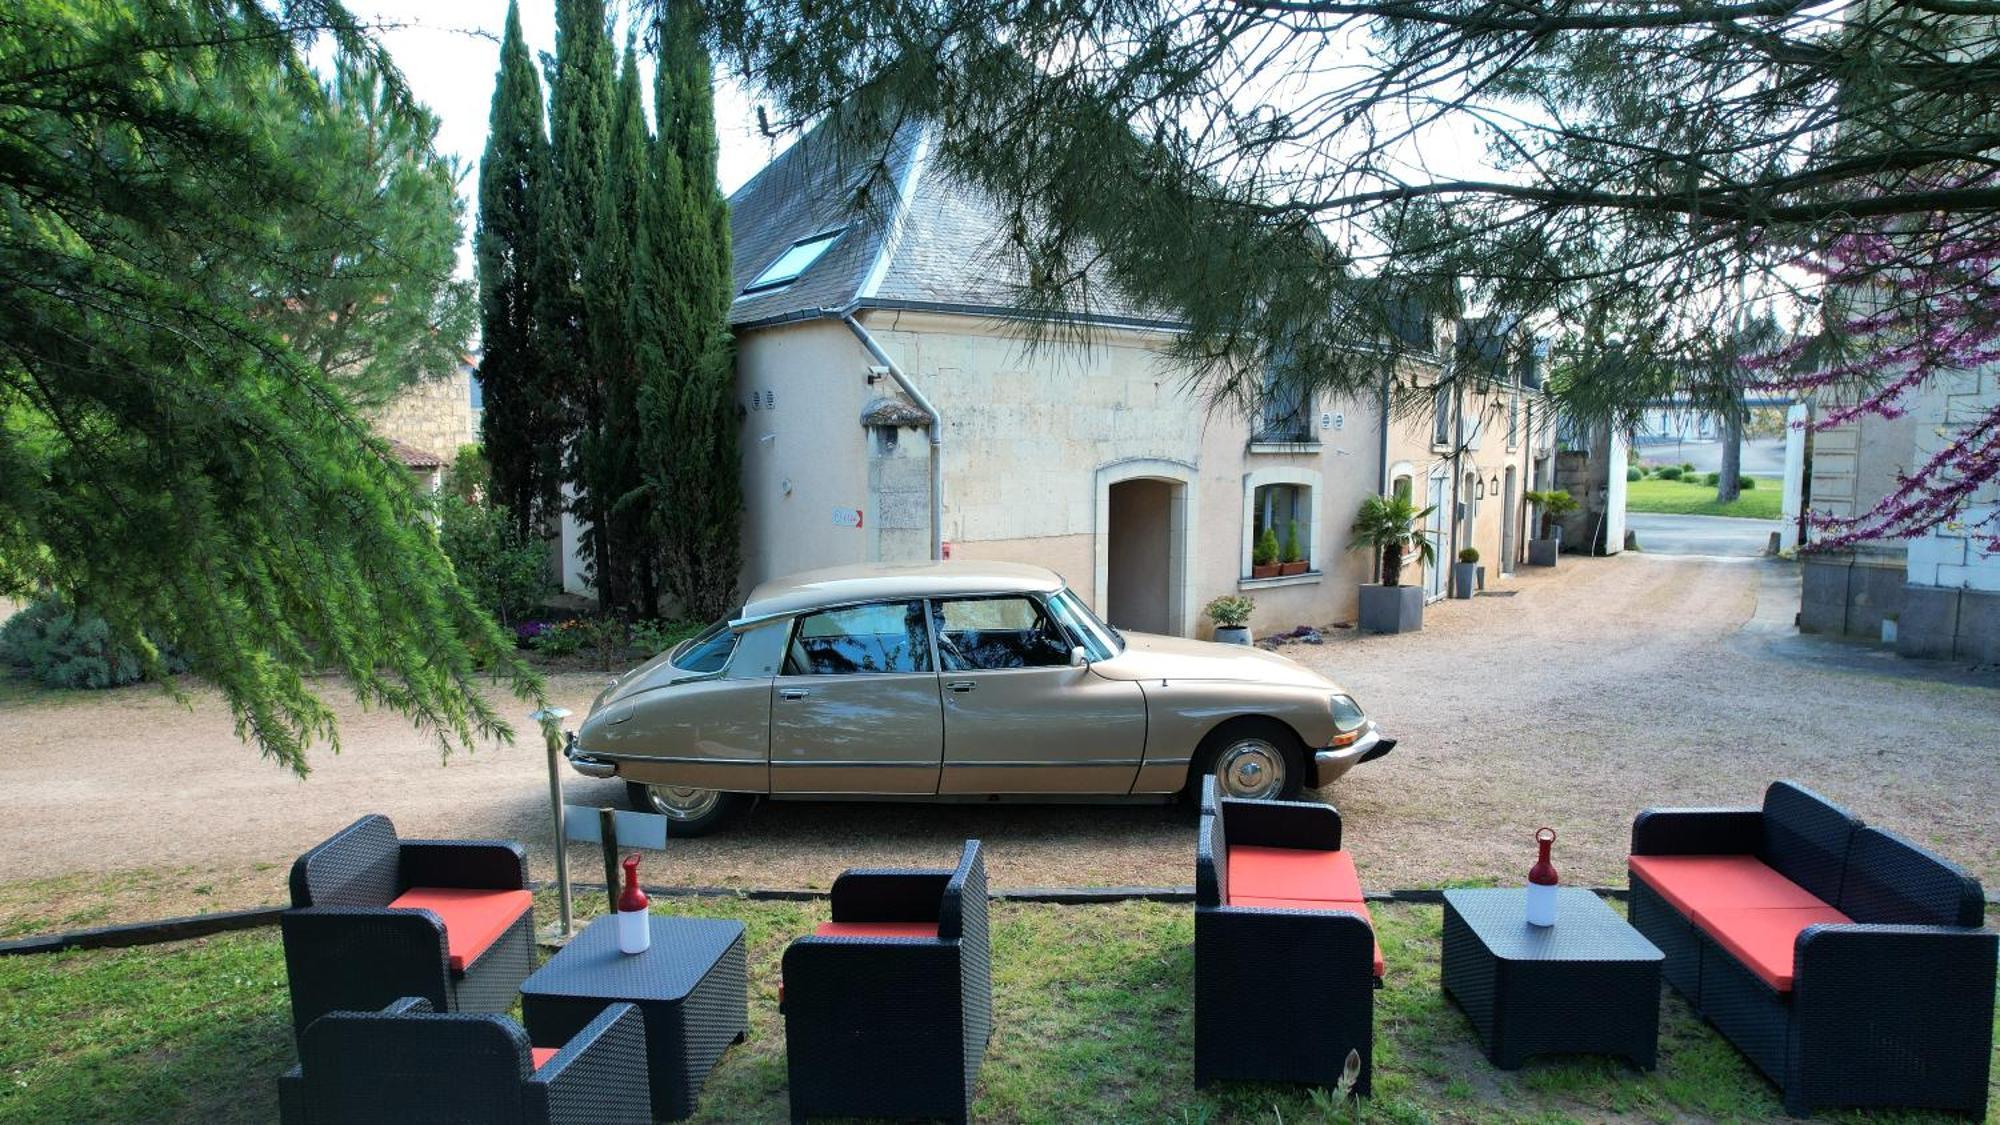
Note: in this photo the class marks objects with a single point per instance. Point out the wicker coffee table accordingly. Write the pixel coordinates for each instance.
(1589, 984)
(692, 986)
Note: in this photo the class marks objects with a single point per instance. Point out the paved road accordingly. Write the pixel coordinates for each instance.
(1763, 457)
(1662, 534)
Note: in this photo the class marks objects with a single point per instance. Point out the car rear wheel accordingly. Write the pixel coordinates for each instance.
(1254, 759)
(689, 812)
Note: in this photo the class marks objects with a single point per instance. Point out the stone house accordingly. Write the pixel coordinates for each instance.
(896, 403)
(427, 423)
(1936, 596)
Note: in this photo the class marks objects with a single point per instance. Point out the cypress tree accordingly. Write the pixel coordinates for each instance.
(522, 441)
(579, 127)
(610, 455)
(690, 439)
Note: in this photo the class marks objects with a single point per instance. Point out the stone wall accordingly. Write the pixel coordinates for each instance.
(434, 416)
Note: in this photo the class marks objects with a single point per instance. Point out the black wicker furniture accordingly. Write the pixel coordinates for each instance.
(888, 1008)
(1590, 984)
(407, 1063)
(1286, 963)
(1848, 963)
(691, 987)
(375, 918)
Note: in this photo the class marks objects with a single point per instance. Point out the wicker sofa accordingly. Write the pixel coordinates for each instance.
(1848, 963)
(888, 1008)
(407, 1063)
(1277, 899)
(375, 918)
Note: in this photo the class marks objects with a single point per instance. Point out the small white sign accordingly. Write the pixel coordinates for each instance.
(847, 517)
(635, 829)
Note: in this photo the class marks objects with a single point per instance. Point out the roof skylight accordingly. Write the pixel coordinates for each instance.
(797, 259)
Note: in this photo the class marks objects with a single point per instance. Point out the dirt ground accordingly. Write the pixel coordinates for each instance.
(1573, 700)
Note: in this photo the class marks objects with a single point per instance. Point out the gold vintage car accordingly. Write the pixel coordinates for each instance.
(956, 681)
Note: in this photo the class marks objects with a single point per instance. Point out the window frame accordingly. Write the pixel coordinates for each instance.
(765, 283)
(1043, 615)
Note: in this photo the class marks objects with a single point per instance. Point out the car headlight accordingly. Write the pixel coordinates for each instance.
(1348, 719)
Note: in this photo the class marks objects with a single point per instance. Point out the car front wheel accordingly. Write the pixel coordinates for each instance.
(1254, 759)
(689, 812)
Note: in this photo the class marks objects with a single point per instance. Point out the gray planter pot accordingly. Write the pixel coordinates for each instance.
(1482, 575)
(1464, 580)
(1232, 634)
(1391, 609)
(1542, 552)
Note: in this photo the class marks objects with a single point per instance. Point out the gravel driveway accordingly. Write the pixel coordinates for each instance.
(1592, 691)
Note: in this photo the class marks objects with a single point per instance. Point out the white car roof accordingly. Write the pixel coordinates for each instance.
(868, 582)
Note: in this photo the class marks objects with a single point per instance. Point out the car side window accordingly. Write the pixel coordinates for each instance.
(878, 637)
(983, 634)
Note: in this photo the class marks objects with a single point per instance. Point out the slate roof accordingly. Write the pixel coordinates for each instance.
(938, 242)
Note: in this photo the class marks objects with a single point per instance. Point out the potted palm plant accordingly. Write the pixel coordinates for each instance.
(1465, 575)
(1293, 559)
(1231, 614)
(1553, 506)
(1388, 525)
(1264, 555)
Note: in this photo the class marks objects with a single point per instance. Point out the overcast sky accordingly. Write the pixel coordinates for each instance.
(450, 49)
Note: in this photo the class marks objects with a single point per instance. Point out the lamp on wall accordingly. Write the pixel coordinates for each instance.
(1496, 484)
(1479, 490)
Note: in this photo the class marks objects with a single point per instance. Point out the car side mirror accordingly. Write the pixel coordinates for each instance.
(1078, 658)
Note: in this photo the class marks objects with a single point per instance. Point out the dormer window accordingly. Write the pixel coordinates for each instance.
(797, 259)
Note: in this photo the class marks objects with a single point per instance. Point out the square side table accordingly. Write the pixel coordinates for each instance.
(1590, 984)
(692, 987)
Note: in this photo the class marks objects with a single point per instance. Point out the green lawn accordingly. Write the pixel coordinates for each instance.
(1094, 1023)
(1679, 497)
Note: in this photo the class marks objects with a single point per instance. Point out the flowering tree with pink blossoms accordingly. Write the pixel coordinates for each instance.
(1906, 308)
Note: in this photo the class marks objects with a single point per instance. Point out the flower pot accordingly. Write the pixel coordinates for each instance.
(1464, 579)
(1542, 552)
(1482, 576)
(1391, 609)
(1232, 634)
(1264, 570)
(1291, 568)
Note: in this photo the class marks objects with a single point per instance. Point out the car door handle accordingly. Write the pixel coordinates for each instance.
(961, 686)
(793, 693)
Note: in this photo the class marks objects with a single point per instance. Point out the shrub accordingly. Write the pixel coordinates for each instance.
(1746, 483)
(1633, 473)
(1687, 467)
(1671, 472)
(506, 574)
(1712, 479)
(1266, 551)
(1231, 611)
(64, 648)
(655, 637)
(564, 638)
(1293, 552)
(1469, 555)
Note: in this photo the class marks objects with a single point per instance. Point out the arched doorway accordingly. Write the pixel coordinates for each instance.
(1145, 525)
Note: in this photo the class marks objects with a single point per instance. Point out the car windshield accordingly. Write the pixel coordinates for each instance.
(708, 651)
(1097, 638)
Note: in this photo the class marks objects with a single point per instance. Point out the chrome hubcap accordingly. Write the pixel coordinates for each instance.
(679, 802)
(1252, 768)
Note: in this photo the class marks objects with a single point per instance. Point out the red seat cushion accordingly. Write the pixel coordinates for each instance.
(1295, 873)
(877, 929)
(541, 1055)
(1356, 907)
(1693, 883)
(1764, 939)
(473, 919)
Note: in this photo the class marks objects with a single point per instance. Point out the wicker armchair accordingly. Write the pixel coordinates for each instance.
(1316, 940)
(1849, 964)
(375, 918)
(407, 1063)
(888, 1008)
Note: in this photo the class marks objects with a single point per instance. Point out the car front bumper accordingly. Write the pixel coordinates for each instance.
(1330, 765)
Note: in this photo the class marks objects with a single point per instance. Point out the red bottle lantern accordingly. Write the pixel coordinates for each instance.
(635, 930)
(1542, 883)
